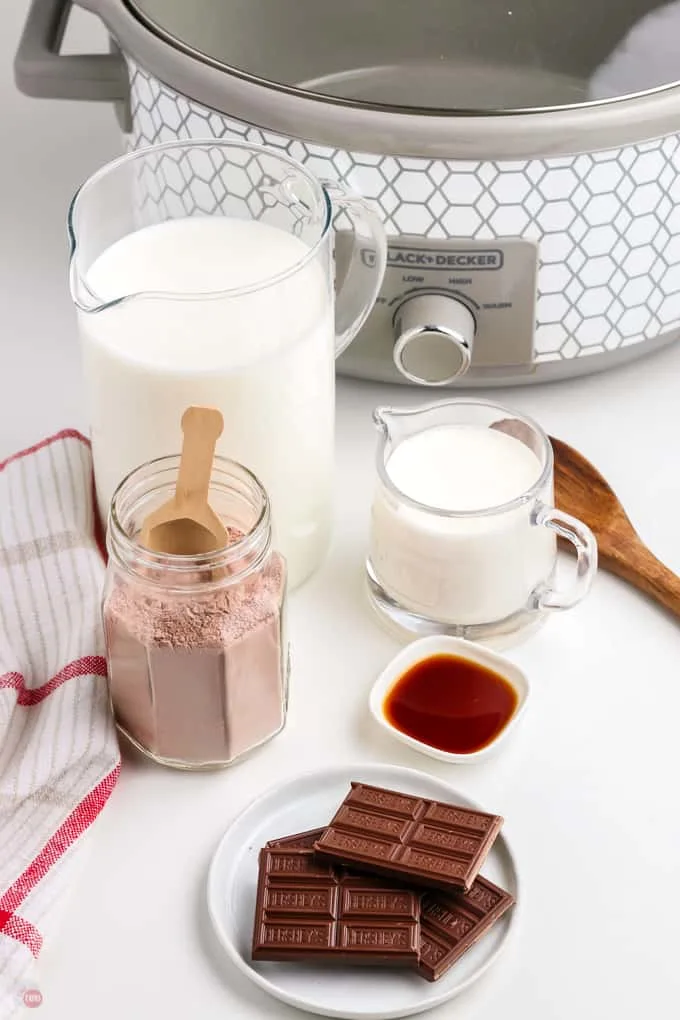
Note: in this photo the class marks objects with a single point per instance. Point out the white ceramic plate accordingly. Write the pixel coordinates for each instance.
(354, 993)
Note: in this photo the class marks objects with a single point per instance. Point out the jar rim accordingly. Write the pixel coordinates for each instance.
(251, 548)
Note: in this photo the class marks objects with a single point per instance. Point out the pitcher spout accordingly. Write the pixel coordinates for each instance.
(381, 416)
(397, 424)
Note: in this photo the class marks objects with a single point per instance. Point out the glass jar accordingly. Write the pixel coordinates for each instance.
(196, 645)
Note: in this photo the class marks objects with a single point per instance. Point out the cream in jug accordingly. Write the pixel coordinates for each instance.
(231, 311)
(463, 536)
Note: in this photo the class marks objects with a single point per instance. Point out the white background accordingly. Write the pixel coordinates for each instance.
(588, 787)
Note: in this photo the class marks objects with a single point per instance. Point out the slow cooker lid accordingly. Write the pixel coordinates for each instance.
(433, 56)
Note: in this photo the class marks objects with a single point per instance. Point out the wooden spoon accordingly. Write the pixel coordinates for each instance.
(187, 525)
(581, 490)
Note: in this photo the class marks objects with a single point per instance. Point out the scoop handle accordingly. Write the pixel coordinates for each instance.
(201, 428)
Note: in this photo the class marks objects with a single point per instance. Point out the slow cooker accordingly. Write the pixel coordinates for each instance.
(525, 158)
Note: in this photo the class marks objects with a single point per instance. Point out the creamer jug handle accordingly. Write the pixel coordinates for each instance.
(585, 544)
(365, 263)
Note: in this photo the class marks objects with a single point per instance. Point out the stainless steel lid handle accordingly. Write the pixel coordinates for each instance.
(40, 70)
(434, 334)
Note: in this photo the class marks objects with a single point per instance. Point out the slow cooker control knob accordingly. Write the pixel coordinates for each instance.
(434, 334)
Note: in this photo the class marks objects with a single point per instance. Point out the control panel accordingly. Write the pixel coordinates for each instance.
(449, 308)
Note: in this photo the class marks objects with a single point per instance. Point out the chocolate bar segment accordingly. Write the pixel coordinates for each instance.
(308, 910)
(300, 841)
(451, 923)
(423, 842)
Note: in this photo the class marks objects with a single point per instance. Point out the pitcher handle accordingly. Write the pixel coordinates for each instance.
(585, 544)
(363, 278)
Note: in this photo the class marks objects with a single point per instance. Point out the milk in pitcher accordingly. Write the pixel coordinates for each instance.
(230, 313)
(473, 568)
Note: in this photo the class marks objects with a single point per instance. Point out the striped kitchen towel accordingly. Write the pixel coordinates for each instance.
(59, 756)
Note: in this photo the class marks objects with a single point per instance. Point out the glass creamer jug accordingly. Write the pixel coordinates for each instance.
(464, 533)
(202, 273)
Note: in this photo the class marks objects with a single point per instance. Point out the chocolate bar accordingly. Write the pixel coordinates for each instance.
(451, 924)
(308, 910)
(422, 842)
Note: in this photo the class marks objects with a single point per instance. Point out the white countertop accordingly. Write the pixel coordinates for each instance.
(588, 787)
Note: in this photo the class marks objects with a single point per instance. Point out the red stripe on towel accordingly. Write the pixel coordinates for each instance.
(68, 832)
(64, 434)
(21, 930)
(89, 665)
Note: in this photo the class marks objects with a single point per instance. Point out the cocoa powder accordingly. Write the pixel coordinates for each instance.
(198, 677)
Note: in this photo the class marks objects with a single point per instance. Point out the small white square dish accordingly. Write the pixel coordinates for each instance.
(451, 699)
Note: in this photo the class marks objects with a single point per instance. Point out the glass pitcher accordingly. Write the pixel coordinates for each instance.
(202, 273)
(463, 535)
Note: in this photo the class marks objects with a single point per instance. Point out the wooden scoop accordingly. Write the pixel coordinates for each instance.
(187, 525)
(581, 490)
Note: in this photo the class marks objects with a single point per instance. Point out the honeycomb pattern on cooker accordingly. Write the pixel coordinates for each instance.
(607, 223)
(206, 179)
